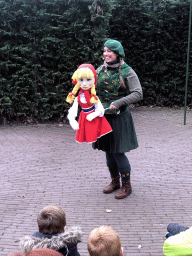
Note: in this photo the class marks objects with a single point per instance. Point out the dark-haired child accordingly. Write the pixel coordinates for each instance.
(52, 234)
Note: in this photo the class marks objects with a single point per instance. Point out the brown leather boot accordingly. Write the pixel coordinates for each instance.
(124, 191)
(114, 185)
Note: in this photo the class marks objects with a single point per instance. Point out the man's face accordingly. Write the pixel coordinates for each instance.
(109, 55)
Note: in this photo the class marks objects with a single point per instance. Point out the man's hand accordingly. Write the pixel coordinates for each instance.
(112, 107)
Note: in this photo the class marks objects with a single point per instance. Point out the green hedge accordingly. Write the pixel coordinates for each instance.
(43, 42)
(155, 36)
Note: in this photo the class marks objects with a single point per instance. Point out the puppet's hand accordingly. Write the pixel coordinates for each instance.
(91, 116)
(74, 124)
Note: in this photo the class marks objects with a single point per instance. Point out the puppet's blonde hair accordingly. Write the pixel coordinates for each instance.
(71, 95)
(80, 73)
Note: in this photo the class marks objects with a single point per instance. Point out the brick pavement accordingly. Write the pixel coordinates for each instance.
(42, 164)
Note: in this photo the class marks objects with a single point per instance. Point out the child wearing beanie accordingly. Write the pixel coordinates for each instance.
(179, 240)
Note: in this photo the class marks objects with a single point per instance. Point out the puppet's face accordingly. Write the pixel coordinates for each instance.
(86, 83)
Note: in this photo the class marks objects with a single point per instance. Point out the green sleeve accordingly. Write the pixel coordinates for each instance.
(179, 245)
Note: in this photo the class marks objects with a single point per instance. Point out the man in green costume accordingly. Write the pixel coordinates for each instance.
(117, 87)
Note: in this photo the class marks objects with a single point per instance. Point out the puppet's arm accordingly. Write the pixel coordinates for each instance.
(72, 114)
(99, 111)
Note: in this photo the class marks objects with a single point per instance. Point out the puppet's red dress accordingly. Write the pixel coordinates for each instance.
(90, 131)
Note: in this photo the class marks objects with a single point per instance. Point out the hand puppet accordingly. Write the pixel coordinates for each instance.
(91, 124)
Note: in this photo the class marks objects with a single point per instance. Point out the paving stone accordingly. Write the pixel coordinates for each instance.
(42, 164)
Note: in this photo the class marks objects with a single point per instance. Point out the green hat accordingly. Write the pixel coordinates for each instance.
(115, 46)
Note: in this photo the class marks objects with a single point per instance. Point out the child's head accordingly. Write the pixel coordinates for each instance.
(51, 220)
(39, 252)
(85, 78)
(104, 241)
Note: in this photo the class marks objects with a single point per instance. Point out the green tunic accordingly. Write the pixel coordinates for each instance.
(123, 137)
(109, 86)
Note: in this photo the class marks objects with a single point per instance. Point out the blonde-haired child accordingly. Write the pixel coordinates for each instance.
(92, 124)
(104, 241)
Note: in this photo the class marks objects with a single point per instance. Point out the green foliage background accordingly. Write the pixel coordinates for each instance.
(42, 42)
(155, 34)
